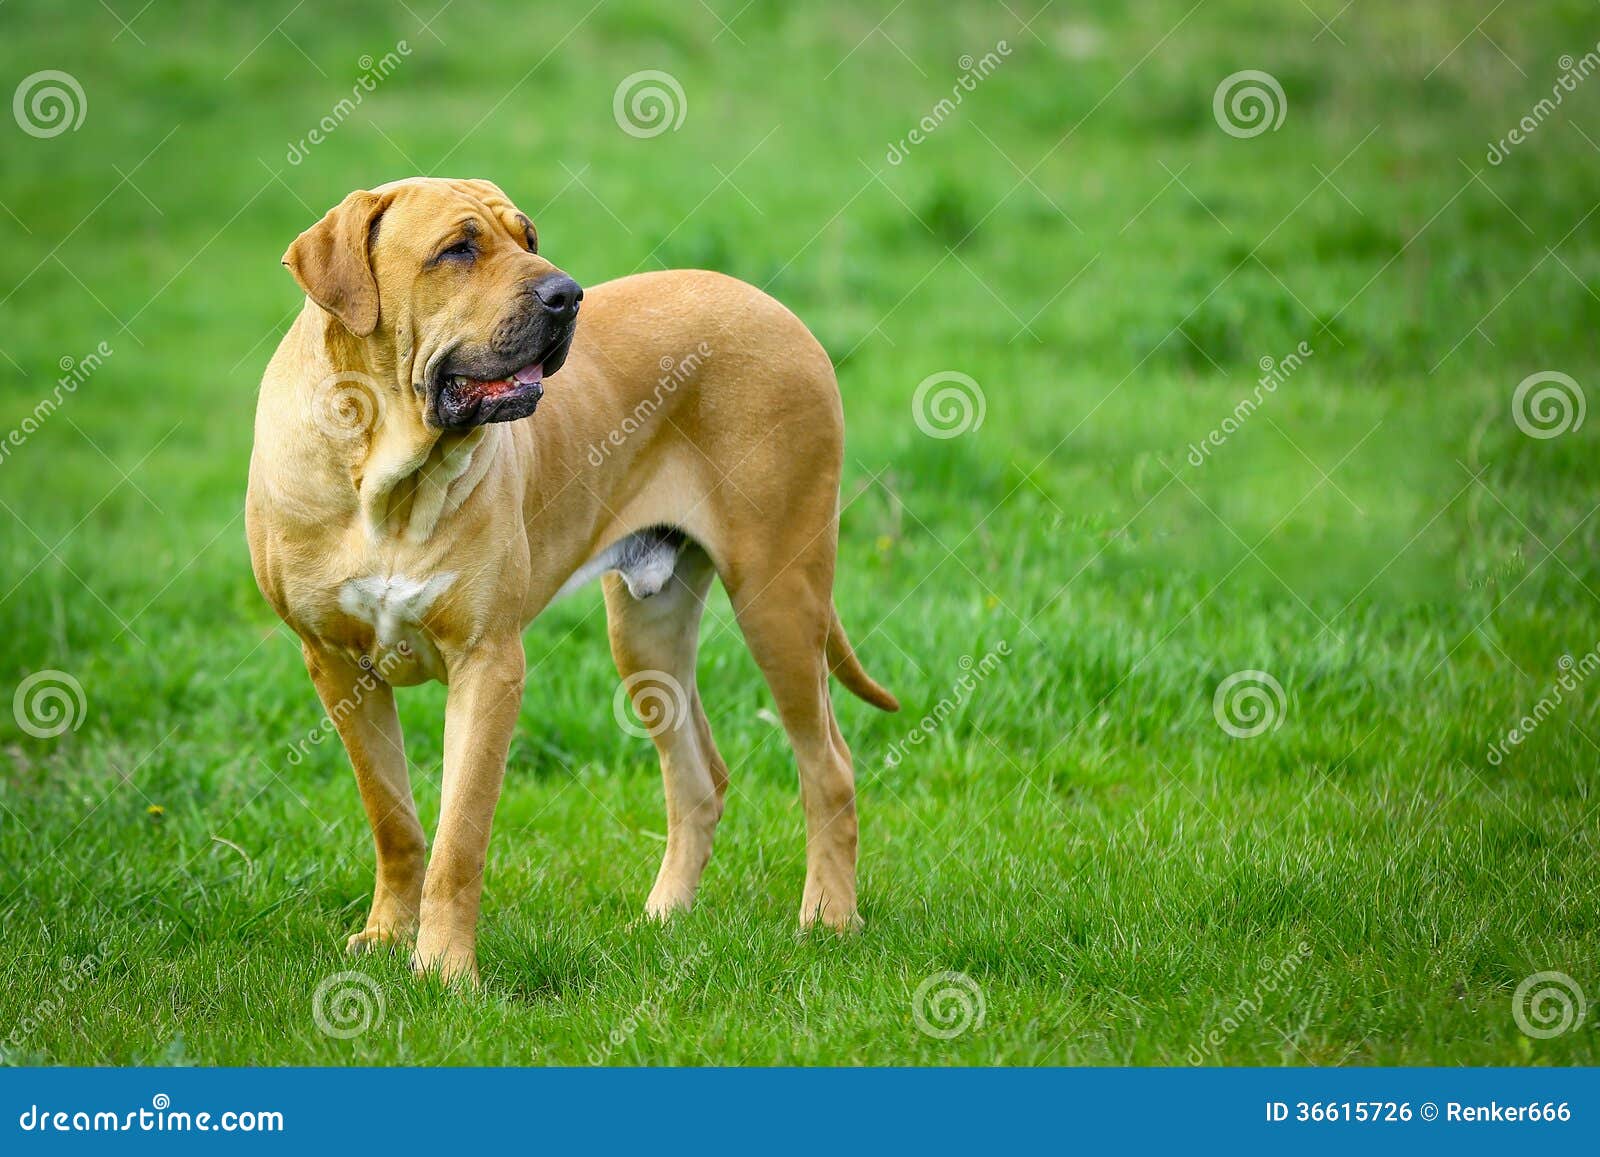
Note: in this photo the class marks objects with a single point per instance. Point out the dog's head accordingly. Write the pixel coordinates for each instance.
(442, 281)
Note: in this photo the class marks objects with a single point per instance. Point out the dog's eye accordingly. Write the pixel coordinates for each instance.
(529, 233)
(460, 251)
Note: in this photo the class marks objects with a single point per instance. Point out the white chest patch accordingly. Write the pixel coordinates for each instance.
(391, 603)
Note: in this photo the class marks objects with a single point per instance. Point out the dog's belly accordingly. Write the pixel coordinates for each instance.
(392, 606)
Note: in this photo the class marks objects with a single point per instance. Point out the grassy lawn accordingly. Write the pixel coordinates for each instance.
(1119, 877)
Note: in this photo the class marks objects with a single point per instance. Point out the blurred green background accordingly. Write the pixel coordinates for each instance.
(1116, 876)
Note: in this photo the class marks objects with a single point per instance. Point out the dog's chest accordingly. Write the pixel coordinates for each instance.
(390, 610)
(392, 605)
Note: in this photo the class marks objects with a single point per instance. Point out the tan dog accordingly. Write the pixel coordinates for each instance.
(408, 528)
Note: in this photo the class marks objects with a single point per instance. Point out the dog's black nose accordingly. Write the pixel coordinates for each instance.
(560, 295)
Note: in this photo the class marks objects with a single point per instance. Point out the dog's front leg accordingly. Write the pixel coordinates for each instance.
(361, 707)
(480, 716)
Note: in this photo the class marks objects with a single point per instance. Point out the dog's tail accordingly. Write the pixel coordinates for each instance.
(847, 668)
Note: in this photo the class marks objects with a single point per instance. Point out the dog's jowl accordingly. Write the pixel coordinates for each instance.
(420, 491)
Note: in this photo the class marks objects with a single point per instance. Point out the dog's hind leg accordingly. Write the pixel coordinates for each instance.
(655, 641)
(785, 617)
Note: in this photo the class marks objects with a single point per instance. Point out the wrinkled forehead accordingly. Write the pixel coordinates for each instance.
(424, 210)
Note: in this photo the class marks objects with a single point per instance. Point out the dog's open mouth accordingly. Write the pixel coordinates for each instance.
(529, 379)
(462, 400)
(467, 401)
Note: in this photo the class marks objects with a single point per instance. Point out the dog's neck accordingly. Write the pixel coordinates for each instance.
(366, 423)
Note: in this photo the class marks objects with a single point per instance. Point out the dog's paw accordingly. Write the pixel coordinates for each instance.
(833, 917)
(377, 940)
(453, 966)
(665, 903)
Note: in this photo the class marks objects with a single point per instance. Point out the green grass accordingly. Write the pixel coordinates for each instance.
(1114, 871)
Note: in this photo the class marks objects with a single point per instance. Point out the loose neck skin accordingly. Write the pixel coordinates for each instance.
(351, 426)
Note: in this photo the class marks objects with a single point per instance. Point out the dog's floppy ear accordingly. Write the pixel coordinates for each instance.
(332, 263)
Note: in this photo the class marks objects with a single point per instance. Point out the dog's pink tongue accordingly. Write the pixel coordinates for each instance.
(530, 375)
